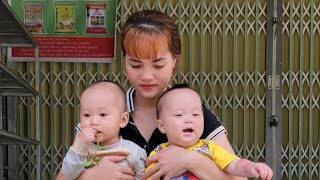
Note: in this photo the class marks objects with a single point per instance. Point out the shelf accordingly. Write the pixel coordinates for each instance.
(9, 138)
(13, 34)
(11, 85)
(12, 31)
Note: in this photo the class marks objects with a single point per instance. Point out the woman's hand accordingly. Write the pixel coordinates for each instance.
(108, 169)
(169, 162)
(174, 161)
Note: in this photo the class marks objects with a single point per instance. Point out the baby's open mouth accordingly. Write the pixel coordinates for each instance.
(189, 130)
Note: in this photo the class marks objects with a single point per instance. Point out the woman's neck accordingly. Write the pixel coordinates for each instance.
(144, 115)
(144, 103)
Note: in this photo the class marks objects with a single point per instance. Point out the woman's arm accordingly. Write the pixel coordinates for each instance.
(205, 169)
(213, 127)
(222, 141)
(107, 167)
(174, 161)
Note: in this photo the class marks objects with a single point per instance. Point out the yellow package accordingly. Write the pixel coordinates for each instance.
(65, 18)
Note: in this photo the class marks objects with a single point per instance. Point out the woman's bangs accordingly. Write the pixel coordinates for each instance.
(145, 45)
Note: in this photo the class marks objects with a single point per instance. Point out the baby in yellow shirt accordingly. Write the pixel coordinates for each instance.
(180, 117)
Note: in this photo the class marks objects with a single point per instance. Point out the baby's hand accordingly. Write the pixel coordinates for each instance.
(261, 170)
(87, 134)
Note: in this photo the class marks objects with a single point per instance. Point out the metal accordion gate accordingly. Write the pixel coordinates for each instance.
(259, 78)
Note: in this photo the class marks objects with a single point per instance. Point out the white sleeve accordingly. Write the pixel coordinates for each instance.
(139, 163)
(72, 164)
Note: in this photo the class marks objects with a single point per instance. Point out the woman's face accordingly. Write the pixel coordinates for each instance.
(150, 77)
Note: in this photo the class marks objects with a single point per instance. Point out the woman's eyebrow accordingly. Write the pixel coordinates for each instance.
(158, 59)
(154, 61)
(134, 60)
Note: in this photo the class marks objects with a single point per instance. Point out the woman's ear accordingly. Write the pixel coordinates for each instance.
(161, 126)
(124, 119)
(175, 65)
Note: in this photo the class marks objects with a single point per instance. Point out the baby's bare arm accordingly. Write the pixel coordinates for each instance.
(246, 168)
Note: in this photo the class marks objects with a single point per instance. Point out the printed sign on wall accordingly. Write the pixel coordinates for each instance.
(67, 31)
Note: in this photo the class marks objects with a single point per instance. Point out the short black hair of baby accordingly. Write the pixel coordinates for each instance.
(176, 86)
(122, 91)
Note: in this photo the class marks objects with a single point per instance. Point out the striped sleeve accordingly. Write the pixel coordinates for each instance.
(212, 125)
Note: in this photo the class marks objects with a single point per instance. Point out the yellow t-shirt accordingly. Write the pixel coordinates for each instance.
(206, 147)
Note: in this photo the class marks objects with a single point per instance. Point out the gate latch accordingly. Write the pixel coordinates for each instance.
(273, 121)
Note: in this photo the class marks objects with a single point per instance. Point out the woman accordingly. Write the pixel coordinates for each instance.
(151, 45)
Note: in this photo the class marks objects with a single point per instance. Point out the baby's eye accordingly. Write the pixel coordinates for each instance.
(103, 114)
(196, 115)
(86, 115)
(178, 115)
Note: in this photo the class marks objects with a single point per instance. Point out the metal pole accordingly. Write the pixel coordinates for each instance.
(273, 86)
(1, 147)
(37, 86)
(1, 116)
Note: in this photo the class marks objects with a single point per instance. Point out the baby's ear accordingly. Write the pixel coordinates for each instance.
(124, 119)
(161, 126)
